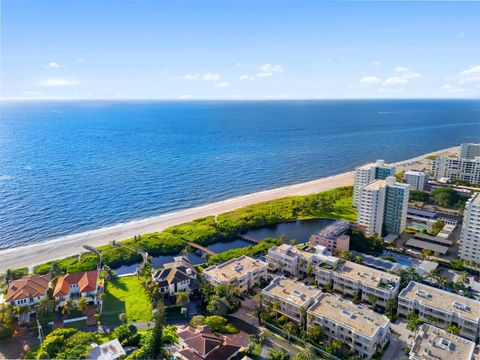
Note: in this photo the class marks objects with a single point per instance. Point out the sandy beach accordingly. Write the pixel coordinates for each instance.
(73, 244)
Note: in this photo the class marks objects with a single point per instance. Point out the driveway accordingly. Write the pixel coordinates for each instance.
(400, 340)
(16, 348)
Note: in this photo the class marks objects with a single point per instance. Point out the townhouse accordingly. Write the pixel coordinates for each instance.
(434, 343)
(441, 308)
(290, 260)
(243, 271)
(293, 297)
(363, 330)
(356, 279)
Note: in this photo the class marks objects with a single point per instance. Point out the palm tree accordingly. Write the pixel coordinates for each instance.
(67, 307)
(45, 305)
(108, 273)
(306, 354)
(182, 298)
(82, 304)
(302, 316)
(123, 318)
(55, 270)
(276, 307)
(289, 329)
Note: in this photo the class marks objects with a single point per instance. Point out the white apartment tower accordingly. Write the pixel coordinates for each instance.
(417, 179)
(383, 207)
(470, 151)
(470, 238)
(367, 173)
(457, 169)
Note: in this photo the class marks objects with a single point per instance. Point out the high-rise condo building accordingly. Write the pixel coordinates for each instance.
(418, 180)
(470, 238)
(470, 151)
(383, 207)
(457, 169)
(367, 173)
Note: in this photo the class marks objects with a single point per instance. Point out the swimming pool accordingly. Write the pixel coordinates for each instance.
(419, 227)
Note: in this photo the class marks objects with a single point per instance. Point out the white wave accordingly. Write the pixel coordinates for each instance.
(5, 177)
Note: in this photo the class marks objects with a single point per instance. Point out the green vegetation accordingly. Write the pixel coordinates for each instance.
(445, 197)
(6, 325)
(368, 245)
(413, 322)
(416, 195)
(448, 198)
(126, 295)
(257, 249)
(218, 324)
(436, 227)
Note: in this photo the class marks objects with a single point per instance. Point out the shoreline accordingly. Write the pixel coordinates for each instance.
(70, 245)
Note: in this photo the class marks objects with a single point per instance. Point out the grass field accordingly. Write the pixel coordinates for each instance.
(342, 209)
(125, 295)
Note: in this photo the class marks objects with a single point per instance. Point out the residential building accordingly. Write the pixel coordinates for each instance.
(367, 173)
(177, 276)
(294, 298)
(434, 343)
(290, 260)
(111, 350)
(27, 292)
(441, 308)
(77, 285)
(201, 344)
(359, 280)
(469, 151)
(243, 271)
(457, 169)
(334, 236)
(383, 207)
(418, 180)
(470, 238)
(365, 331)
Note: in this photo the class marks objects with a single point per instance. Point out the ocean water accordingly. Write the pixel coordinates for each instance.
(68, 167)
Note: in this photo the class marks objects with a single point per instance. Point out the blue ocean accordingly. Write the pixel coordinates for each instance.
(68, 167)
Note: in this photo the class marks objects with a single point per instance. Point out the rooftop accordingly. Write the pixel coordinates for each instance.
(334, 229)
(357, 317)
(108, 351)
(366, 275)
(234, 268)
(86, 281)
(290, 251)
(27, 287)
(427, 245)
(475, 199)
(442, 300)
(291, 291)
(434, 343)
(414, 172)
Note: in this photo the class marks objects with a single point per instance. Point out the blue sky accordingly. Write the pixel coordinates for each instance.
(239, 49)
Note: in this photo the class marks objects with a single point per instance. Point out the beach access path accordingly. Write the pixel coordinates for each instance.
(31, 255)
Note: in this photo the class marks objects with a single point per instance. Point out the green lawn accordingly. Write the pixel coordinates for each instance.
(342, 209)
(125, 295)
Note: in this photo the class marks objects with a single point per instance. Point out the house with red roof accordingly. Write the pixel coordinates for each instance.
(26, 293)
(201, 344)
(77, 285)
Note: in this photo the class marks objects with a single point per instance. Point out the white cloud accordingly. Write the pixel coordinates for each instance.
(411, 75)
(451, 89)
(185, 97)
(246, 78)
(223, 84)
(370, 80)
(54, 65)
(395, 80)
(376, 63)
(32, 93)
(401, 69)
(264, 74)
(59, 82)
(190, 77)
(211, 77)
(470, 75)
(269, 68)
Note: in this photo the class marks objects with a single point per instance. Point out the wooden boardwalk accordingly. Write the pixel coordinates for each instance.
(200, 248)
(249, 238)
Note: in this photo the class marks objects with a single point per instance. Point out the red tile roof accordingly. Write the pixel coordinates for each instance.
(87, 281)
(27, 287)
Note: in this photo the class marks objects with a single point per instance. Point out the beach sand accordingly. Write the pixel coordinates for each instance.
(73, 244)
